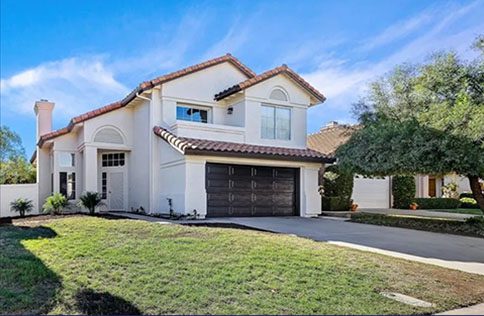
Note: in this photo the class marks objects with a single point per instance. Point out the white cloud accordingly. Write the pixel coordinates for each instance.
(397, 31)
(74, 84)
(343, 81)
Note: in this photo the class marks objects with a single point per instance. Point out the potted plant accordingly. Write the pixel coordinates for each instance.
(354, 207)
(413, 206)
(90, 200)
(22, 206)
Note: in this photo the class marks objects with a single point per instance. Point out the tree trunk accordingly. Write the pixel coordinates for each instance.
(477, 191)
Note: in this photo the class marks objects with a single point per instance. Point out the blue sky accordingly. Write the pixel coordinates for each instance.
(84, 54)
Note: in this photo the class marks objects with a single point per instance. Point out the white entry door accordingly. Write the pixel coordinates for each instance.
(116, 190)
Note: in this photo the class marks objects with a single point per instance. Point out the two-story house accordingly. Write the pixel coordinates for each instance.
(214, 138)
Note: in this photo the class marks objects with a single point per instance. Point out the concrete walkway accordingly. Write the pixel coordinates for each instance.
(445, 250)
(423, 213)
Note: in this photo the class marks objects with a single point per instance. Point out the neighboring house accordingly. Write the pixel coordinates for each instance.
(213, 138)
(376, 192)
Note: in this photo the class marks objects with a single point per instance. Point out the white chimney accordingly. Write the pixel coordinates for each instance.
(43, 109)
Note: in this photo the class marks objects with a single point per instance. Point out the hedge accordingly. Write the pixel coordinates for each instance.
(403, 190)
(337, 182)
(466, 195)
(468, 202)
(437, 203)
(336, 203)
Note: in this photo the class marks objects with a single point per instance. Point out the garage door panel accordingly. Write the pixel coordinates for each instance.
(218, 184)
(371, 192)
(234, 190)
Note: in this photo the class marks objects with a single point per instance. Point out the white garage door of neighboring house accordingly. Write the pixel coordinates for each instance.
(371, 193)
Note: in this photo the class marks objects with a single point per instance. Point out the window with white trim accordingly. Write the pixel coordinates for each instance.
(113, 160)
(67, 184)
(193, 113)
(275, 122)
(67, 159)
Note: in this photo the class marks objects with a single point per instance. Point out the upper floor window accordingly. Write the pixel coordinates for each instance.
(67, 159)
(275, 122)
(192, 114)
(278, 94)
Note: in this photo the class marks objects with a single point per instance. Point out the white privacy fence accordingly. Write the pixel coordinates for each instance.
(11, 192)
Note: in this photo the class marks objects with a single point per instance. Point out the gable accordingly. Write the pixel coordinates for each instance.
(264, 89)
(203, 84)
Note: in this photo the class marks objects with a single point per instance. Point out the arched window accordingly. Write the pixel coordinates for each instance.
(278, 94)
(109, 135)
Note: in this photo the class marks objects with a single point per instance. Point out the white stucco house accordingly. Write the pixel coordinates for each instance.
(214, 138)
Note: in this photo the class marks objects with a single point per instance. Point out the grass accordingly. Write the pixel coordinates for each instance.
(87, 265)
(439, 225)
(472, 211)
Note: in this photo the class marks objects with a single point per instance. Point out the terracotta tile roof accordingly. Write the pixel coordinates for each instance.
(329, 138)
(269, 74)
(193, 146)
(146, 86)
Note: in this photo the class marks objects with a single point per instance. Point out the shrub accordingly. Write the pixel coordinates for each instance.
(437, 203)
(55, 203)
(90, 200)
(468, 202)
(477, 221)
(466, 195)
(22, 206)
(337, 182)
(403, 190)
(336, 203)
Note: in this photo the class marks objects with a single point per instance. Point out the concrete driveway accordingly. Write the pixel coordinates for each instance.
(451, 251)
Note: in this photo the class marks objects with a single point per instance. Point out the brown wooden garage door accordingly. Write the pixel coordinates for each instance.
(236, 190)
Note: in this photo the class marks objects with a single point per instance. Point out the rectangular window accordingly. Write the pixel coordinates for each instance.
(67, 184)
(275, 122)
(113, 160)
(104, 185)
(192, 114)
(67, 159)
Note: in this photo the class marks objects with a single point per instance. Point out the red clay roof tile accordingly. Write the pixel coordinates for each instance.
(193, 146)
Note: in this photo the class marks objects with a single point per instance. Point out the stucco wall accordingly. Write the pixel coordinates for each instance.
(11, 192)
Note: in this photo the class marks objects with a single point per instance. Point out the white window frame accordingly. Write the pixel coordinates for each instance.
(197, 107)
(275, 107)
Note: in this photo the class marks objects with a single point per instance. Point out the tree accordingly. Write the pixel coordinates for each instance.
(425, 119)
(90, 200)
(14, 168)
(17, 170)
(22, 206)
(10, 144)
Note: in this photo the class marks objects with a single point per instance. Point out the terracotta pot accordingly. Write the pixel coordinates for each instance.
(354, 207)
(413, 207)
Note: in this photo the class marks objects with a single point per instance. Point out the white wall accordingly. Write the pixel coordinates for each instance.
(172, 179)
(11, 192)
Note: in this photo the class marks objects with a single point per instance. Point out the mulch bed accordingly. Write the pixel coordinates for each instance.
(46, 217)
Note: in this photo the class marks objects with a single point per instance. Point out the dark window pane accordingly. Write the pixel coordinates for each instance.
(63, 183)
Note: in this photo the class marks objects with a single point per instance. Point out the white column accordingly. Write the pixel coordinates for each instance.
(90, 169)
(310, 198)
(195, 192)
(154, 173)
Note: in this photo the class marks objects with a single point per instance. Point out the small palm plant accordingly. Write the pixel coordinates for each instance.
(55, 203)
(90, 200)
(22, 206)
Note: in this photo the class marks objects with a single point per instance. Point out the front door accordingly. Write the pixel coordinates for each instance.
(113, 180)
(432, 187)
(116, 191)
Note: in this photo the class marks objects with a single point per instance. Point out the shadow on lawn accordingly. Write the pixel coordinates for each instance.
(27, 286)
(102, 303)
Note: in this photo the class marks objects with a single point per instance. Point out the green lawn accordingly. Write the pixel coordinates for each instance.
(88, 265)
(473, 211)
